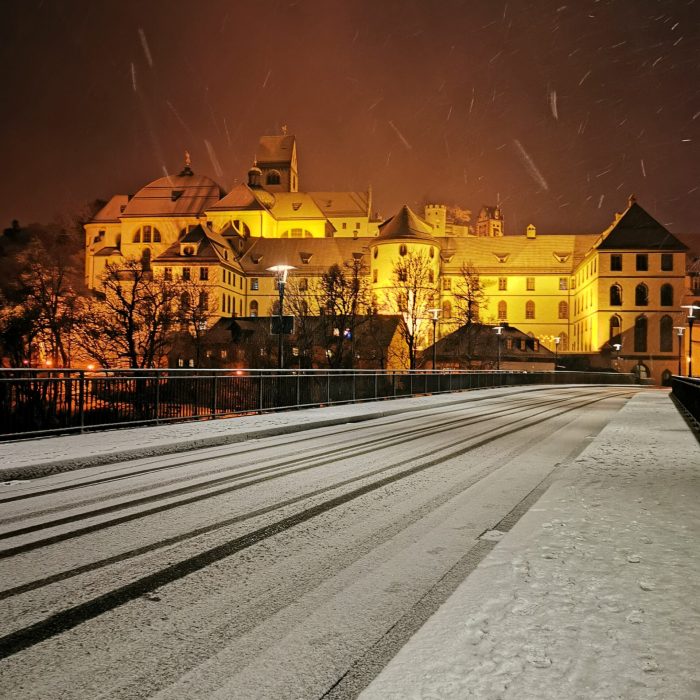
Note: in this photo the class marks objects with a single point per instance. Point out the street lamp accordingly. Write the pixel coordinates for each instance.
(499, 331)
(557, 340)
(691, 319)
(435, 313)
(679, 331)
(281, 272)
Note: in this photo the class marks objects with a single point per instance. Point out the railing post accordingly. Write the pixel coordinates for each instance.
(298, 388)
(260, 402)
(157, 406)
(354, 386)
(328, 387)
(213, 398)
(376, 376)
(81, 398)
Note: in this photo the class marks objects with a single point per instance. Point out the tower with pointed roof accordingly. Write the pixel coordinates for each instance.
(277, 159)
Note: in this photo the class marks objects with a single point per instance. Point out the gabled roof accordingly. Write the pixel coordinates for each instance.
(275, 149)
(637, 230)
(213, 247)
(240, 198)
(338, 204)
(406, 225)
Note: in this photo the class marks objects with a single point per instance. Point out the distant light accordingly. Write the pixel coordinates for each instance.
(48, 363)
(91, 367)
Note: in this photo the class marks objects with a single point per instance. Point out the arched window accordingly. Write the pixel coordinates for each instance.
(563, 309)
(640, 334)
(146, 259)
(530, 309)
(615, 295)
(641, 295)
(253, 308)
(403, 249)
(184, 301)
(615, 323)
(666, 334)
(296, 233)
(147, 234)
(502, 311)
(273, 177)
(446, 309)
(667, 295)
(137, 236)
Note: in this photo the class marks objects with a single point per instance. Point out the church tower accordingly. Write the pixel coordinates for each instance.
(490, 222)
(277, 159)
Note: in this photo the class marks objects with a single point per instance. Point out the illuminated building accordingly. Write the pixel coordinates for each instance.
(594, 291)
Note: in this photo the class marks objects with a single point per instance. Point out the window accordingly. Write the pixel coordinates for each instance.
(502, 284)
(615, 263)
(203, 300)
(640, 334)
(403, 249)
(615, 324)
(146, 234)
(530, 309)
(345, 224)
(186, 273)
(616, 295)
(168, 274)
(502, 311)
(563, 283)
(564, 344)
(446, 309)
(253, 308)
(375, 276)
(203, 273)
(273, 177)
(431, 277)
(184, 301)
(666, 295)
(303, 284)
(254, 284)
(446, 283)
(641, 295)
(666, 334)
(642, 262)
(530, 284)
(146, 260)
(563, 309)
(402, 275)
(667, 262)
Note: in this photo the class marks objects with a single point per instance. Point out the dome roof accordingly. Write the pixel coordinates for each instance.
(185, 194)
(406, 225)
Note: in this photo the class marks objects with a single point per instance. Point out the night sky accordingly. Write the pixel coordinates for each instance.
(560, 109)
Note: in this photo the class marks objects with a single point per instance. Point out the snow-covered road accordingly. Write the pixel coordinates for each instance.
(292, 566)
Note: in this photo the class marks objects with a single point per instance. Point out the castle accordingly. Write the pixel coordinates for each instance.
(594, 292)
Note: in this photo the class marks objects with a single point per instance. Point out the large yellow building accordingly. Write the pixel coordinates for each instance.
(618, 292)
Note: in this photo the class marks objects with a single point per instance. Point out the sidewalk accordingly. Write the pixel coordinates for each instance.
(32, 458)
(595, 593)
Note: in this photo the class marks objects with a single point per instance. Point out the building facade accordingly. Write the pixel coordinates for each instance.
(617, 294)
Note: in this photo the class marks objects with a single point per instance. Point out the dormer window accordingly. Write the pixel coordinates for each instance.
(188, 250)
(305, 257)
(176, 194)
(256, 259)
(561, 257)
(296, 206)
(502, 257)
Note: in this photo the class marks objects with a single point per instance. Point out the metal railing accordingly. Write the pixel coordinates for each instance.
(687, 391)
(41, 402)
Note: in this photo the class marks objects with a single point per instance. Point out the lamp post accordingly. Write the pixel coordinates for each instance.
(557, 340)
(499, 331)
(691, 319)
(281, 272)
(617, 347)
(435, 313)
(679, 332)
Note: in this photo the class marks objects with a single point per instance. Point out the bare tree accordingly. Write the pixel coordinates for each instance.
(132, 317)
(196, 314)
(343, 298)
(301, 301)
(413, 293)
(470, 301)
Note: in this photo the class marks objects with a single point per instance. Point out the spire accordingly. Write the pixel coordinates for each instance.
(631, 200)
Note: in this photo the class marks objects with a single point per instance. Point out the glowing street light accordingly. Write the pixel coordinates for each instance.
(281, 272)
(499, 331)
(557, 340)
(691, 319)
